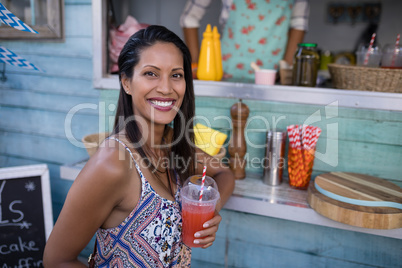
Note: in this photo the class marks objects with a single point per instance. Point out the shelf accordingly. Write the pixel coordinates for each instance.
(251, 195)
(301, 95)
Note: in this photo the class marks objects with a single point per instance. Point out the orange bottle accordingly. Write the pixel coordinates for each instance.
(206, 62)
(218, 54)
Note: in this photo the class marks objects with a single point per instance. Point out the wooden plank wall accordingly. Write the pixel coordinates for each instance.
(352, 140)
(247, 240)
(34, 105)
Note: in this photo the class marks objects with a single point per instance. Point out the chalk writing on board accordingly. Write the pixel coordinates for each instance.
(18, 221)
(22, 236)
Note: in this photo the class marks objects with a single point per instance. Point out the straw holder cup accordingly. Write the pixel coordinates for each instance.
(274, 157)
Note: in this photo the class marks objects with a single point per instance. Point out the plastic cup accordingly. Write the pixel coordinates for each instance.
(300, 167)
(265, 77)
(391, 57)
(374, 56)
(195, 212)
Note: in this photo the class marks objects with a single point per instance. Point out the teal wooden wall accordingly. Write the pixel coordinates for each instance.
(34, 106)
(247, 240)
(352, 140)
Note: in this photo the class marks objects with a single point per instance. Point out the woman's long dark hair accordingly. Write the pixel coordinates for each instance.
(182, 150)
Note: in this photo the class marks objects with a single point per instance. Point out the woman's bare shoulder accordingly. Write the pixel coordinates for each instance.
(110, 164)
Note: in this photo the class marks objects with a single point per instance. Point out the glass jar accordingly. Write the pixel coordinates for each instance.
(305, 65)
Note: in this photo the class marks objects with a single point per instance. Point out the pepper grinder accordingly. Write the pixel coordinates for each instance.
(237, 144)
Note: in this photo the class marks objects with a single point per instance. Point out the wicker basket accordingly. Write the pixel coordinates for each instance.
(366, 78)
(92, 141)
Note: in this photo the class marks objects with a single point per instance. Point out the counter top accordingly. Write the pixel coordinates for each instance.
(251, 195)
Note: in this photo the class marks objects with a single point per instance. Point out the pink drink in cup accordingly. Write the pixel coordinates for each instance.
(196, 212)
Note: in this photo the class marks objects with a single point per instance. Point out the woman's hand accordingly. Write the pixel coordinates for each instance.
(207, 236)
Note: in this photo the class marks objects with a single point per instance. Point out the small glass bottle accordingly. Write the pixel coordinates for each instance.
(305, 65)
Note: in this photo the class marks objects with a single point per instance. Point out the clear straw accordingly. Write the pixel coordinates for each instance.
(395, 50)
(366, 58)
(203, 182)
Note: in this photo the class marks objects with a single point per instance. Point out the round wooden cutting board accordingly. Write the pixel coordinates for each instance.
(357, 199)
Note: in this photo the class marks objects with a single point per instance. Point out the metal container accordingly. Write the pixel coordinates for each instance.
(274, 157)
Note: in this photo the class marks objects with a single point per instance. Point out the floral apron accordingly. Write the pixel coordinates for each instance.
(256, 30)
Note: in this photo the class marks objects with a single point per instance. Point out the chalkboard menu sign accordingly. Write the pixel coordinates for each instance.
(26, 217)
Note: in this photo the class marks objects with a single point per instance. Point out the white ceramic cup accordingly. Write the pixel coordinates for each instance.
(265, 77)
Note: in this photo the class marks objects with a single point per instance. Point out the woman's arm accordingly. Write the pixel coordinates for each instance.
(95, 193)
(192, 42)
(294, 37)
(298, 28)
(190, 18)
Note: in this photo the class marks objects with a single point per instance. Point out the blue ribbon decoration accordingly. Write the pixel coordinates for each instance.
(11, 58)
(11, 20)
(358, 202)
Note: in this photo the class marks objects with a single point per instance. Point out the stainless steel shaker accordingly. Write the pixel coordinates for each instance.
(274, 157)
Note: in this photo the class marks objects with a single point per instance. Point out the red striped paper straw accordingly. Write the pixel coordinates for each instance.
(366, 58)
(395, 50)
(203, 182)
(316, 133)
(291, 135)
(304, 137)
(299, 137)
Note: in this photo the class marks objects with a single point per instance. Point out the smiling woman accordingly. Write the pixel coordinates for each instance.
(128, 193)
(158, 82)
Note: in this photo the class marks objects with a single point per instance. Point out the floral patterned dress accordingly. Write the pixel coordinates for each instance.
(256, 30)
(149, 237)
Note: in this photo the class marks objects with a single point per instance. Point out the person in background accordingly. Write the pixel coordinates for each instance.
(128, 193)
(263, 31)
